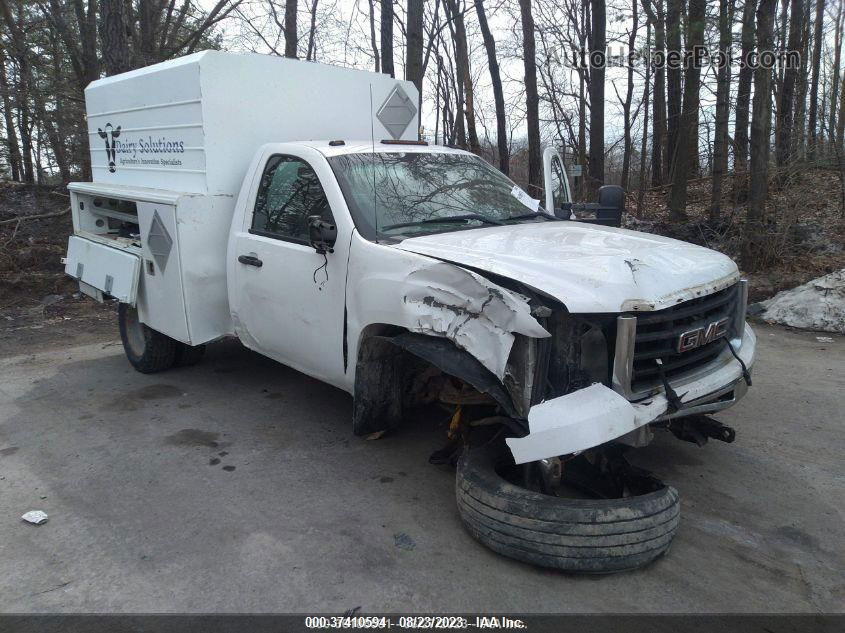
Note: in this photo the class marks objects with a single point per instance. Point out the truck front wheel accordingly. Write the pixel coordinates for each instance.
(587, 535)
(147, 350)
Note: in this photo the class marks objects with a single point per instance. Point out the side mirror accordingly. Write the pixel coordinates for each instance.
(321, 234)
(611, 205)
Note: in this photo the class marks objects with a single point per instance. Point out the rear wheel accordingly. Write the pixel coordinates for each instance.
(586, 535)
(147, 350)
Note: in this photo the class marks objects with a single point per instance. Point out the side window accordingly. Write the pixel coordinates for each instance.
(288, 193)
(558, 183)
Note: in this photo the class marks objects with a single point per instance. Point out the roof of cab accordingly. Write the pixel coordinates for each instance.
(366, 147)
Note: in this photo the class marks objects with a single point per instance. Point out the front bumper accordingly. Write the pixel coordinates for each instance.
(595, 415)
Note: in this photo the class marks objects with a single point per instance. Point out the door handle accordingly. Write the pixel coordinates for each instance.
(250, 260)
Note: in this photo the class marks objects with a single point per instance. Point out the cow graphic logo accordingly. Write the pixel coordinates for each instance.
(109, 135)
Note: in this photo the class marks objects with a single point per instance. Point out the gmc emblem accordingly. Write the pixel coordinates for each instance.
(703, 335)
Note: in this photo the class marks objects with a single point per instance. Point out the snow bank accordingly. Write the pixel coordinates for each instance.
(817, 305)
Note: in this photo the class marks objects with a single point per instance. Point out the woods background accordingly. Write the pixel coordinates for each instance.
(746, 160)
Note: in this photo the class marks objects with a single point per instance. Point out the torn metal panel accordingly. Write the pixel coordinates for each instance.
(574, 422)
(595, 415)
(477, 315)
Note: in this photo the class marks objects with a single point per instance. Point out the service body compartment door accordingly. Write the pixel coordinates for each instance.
(110, 270)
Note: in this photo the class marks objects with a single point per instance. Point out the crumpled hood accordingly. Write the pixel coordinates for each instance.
(589, 268)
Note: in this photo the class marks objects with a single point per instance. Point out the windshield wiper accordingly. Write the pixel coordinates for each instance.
(534, 214)
(446, 220)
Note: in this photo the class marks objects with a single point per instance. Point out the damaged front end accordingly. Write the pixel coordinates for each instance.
(563, 383)
(652, 376)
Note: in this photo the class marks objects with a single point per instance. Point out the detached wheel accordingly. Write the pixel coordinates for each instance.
(147, 350)
(570, 534)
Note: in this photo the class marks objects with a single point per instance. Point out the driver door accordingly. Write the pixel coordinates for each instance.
(287, 299)
(555, 182)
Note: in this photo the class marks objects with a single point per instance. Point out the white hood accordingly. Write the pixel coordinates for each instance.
(589, 268)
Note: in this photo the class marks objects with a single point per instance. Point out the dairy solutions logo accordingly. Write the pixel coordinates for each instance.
(143, 152)
(109, 135)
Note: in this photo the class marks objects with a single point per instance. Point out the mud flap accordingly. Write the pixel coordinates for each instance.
(103, 270)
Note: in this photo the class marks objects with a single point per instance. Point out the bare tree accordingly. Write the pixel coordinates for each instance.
(11, 135)
(117, 57)
(688, 127)
(498, 92)
(743, 97)
(464, 77)
(387, 37)
(659, 158)
(598, 43)
(291, 40)
(311, 53)
(673, 79)
(761, 116)
(723, 89)
(629, 96)
(414, 48)
(814, 82)
(532, 98)
(785, 111)
(373, 40)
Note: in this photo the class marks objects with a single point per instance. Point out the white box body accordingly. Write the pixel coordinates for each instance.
(193, 124)
(175, 140)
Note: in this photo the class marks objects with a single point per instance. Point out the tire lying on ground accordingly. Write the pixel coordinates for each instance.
(147, 350)
(575, 535)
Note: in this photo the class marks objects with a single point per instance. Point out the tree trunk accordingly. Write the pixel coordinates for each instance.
(786, 105)
(673, 74)
(644, 140)
(799, 127)
(311, 53)
(629, 96)
(532, 98)
(598, 44)
(688, 127)
(11, 134)
(723, 90)
(837, 59)
(659, 159)
(498, 93)
(414, 50)
(464, 77)
(814, 82)
(387, 37)
(115, 44)
(840, 123)
(743, 98)
(582, 104)
(373, 41)
(291, 40)
(761, 116)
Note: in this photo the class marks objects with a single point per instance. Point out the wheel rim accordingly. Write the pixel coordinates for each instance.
(135, 339)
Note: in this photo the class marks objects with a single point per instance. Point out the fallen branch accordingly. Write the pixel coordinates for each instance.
(39, 216)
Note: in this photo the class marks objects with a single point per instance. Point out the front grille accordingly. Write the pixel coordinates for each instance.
(658, 333)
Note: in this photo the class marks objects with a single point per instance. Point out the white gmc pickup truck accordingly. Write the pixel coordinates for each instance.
(409, 274)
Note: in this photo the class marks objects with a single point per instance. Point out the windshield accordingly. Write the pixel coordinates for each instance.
(399, 194)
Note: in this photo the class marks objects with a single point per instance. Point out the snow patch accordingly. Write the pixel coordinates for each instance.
(817, 305)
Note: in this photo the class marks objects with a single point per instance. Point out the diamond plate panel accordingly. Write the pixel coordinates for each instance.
(397, 112)
(159, 241)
